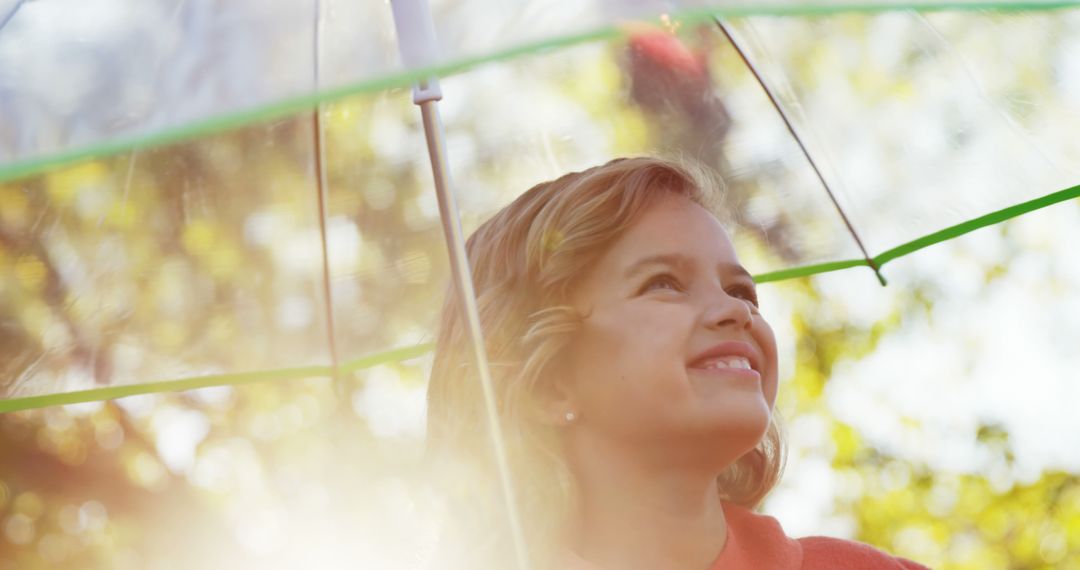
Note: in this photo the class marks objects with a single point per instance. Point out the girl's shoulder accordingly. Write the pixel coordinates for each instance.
(828, 552)
(755, 537)
(756, 541)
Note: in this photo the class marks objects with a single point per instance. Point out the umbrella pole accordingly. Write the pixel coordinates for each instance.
(419, 48)
(462, 275)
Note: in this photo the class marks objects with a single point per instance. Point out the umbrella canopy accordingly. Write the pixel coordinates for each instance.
(194, 194)
(922, 124)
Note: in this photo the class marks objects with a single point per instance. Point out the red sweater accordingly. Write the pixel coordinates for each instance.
(757, 542)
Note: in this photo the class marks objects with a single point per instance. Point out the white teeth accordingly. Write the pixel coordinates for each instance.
(727, 362)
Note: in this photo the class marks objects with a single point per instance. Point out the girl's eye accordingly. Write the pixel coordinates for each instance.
(662, 281)
(744, 292)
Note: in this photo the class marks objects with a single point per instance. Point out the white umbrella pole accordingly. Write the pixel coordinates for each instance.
(416, 41)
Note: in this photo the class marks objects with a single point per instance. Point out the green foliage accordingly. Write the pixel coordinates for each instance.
(947, 520)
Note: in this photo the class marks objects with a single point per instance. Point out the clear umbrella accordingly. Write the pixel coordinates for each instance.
(198, 195)
(90, 120)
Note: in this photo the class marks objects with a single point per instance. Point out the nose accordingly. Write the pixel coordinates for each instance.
(726, 311)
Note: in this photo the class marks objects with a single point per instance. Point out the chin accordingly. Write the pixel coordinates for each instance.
(738, 432)
(711, 442)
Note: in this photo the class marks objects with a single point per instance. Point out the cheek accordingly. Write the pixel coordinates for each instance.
(765, 338)
(628, 355)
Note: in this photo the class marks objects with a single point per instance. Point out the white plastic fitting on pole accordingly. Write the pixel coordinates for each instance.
(417, 44)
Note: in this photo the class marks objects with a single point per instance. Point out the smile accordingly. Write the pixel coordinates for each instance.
(736, 362)
(729, 357)
(727, 367)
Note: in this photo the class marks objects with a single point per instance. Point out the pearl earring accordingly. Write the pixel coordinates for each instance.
(570, 416)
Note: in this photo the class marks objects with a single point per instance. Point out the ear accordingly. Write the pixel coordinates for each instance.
(557, 404)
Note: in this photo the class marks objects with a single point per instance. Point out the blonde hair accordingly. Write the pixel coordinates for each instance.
(525, 262)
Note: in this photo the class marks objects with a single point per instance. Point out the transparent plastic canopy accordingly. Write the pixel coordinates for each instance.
(197, 193)
(84, 78)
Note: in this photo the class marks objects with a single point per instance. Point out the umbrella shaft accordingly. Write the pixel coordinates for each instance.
(462, 275)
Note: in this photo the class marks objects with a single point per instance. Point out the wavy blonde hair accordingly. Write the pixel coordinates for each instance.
(526, 260)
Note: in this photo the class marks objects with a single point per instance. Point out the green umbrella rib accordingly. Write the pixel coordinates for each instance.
(927, 240)
(235, 379)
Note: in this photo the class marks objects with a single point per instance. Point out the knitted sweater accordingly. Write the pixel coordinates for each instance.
(757, 542)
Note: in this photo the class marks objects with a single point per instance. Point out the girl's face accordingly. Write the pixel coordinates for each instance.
(673, 354)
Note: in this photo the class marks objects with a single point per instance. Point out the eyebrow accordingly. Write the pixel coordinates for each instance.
(681, 262)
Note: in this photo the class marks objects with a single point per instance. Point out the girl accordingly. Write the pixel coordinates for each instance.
(635, 378)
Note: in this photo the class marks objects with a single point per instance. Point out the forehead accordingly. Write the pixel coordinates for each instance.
(673, 225)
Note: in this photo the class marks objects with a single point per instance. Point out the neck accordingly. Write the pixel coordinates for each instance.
(633, 515)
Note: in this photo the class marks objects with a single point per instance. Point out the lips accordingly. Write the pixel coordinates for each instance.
(733, 355)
